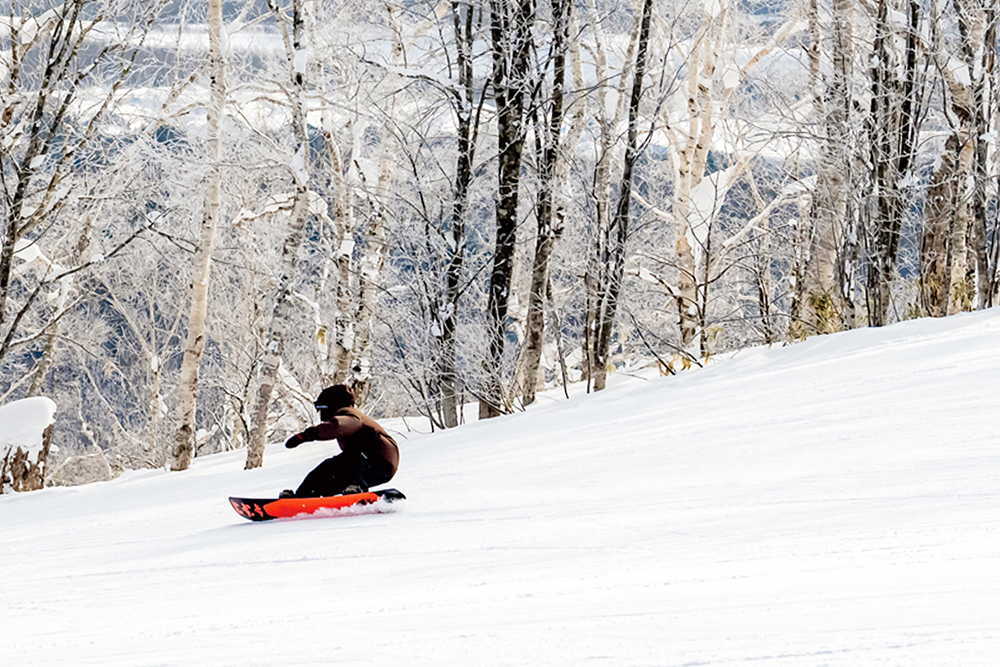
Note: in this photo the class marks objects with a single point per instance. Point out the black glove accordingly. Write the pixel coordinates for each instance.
(308, 435)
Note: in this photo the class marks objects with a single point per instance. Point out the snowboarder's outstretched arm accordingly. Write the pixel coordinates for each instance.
(340, 426)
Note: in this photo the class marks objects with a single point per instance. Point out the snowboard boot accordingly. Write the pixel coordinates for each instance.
(287, 493)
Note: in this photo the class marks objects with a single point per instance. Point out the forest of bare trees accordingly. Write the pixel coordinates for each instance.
(213, 209)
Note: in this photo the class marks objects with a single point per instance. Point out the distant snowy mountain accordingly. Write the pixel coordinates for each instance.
(830, 503)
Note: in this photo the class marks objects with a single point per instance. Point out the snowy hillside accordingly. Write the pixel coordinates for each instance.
(832, 503)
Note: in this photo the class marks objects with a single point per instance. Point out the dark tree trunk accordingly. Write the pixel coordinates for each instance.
(894, 131)
(510, 30)
(610, 292)
(464, 25)
(549, 225)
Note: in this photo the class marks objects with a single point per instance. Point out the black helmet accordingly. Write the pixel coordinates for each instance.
(334, 398)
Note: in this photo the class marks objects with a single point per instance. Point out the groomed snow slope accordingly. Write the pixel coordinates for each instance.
(836, 502)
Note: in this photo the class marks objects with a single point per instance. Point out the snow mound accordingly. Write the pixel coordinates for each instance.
(23, 422)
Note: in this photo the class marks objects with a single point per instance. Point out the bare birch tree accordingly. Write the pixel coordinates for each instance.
(609, 117)
(608, 290)
(957, 271)
(824, 291)
(183, 448)
(296, 51)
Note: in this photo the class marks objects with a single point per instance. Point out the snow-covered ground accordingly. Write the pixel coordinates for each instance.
(835, 502)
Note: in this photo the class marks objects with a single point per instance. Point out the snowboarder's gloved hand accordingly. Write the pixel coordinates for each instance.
(308, 435)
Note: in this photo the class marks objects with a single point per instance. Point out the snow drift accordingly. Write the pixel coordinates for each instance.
(24, 442)
(23, 422)
(834, 502)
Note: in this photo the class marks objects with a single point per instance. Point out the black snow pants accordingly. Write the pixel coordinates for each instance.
(335, 474)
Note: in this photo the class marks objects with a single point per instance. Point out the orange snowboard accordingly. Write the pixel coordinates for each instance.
(265, 509)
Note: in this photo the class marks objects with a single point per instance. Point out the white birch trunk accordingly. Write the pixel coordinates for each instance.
(184, 444)
(595, 369)
(296, 51)
(691, 158)
(342, 341)
(372, 263)
(618, 238)
(821, 306)
(698, 196)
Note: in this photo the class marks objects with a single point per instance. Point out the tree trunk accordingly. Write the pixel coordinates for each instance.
(990, 263)
(342, 341)
(598, 259)
(692, 161)
(548, 140)
(894, 123)
(959, 291)
(464, 26)
(371, 265)
(295, 49)
(945, 281)
(510, 30)
(611, 291)
(977, 36)
(821, 298)
(187, 409)
(944, 212)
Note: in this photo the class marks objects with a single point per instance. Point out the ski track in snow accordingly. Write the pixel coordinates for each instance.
(835, 502)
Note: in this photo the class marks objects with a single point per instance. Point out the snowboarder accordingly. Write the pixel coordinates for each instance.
(369, 456)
